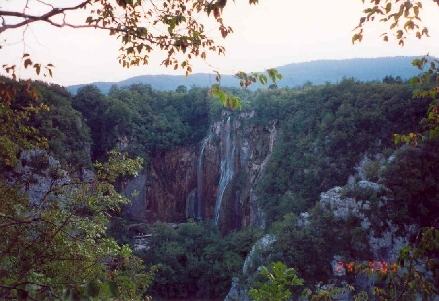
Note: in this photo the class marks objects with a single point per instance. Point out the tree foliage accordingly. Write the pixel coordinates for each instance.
(403, 17)
(141, 120)
(172, 27)
(324, 132)
(135, 23)
(195, 262)
(413, 180)
(37, 114)
(275, 287)
(52, 221)
(427, 87)
(55, 244)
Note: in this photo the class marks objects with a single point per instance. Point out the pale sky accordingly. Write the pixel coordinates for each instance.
(270, 34)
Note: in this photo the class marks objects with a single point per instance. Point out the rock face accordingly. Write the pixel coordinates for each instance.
(383, 244)
(171, 176)
(241, 285)
(42, 178)
(135, 190)
(212, 180)
(363, 199)
(40, 173)
(383, 240)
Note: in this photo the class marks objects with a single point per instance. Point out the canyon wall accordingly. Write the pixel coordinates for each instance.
(213, 180)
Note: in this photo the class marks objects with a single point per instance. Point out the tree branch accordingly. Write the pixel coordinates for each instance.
(27, 220)
(31, 18)
(15, 286)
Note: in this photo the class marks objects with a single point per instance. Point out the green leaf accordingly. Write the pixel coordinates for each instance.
(272, 74)
(214, 90)
(105, 288)
(92, 289)
(114, 291)
(171, 26)
(354, 38)
(222, 97)
(263, 79)
(413, 80)
(235, 102)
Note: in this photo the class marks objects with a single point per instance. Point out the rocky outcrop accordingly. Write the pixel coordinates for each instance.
(212, 180)
(383, 242)
(38, 174)
(366, 200)
(241, 285)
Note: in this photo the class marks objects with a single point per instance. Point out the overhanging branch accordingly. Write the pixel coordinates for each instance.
(31, 18)
(30, 219)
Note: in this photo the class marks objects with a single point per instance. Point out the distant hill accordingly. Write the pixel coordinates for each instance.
(317, 72)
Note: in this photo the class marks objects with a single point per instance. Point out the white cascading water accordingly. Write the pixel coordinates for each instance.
(227, 162)
(200, 174)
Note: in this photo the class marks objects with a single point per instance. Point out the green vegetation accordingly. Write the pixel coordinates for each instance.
(47, 109)
(323, 133)
(275, 288)
(62, 125)
(194, 260)
(54, 243)
(54, 246)
(141, 120)
(412, 179)
(309, 247)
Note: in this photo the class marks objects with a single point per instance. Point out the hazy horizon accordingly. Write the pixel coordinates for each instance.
(212, 73)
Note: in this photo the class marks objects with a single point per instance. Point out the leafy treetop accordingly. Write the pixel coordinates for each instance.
(177, 28)
(172, 26)
(403, 17)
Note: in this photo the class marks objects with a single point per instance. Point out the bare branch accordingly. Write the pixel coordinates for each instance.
(31, 18)
(48, 4)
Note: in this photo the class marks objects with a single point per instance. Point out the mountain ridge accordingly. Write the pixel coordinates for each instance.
(294, 74)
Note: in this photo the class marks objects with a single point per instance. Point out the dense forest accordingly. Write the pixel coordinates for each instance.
(329, 135)
(153, 120)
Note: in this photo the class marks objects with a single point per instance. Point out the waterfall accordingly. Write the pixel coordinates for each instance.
(199, 206)
(227, 162)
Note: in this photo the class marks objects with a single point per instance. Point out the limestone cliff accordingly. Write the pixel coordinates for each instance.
(359, 198)
(214, 179)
